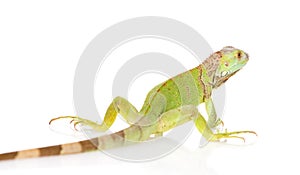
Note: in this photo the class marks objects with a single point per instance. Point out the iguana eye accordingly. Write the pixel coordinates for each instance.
(239, 55)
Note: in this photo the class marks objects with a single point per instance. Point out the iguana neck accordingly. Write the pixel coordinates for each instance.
(211, 65)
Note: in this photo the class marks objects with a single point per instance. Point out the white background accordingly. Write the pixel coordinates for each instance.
(40, 45)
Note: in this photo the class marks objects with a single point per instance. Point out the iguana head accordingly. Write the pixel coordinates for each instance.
(223, 64)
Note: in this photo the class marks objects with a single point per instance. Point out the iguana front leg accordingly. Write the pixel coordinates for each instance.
(213, 120)
(209, 135)
(178, 116)
(118, 105)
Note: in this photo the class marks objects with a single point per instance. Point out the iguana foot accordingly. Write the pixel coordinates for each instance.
(78, 120)
(218, 136)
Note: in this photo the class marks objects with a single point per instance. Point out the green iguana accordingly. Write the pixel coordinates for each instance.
(167, 105)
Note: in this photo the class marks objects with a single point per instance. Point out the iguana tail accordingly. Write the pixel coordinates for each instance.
(102, 142)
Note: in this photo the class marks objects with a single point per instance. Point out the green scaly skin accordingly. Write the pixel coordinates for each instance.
(166, 106)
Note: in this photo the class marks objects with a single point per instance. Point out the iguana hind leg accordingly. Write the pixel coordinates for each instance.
(118, 105)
